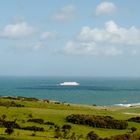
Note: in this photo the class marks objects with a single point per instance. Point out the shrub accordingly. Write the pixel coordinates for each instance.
(66, 126)
(33, 128)
(49, 123)
(134, 119)
(66, 134)
(92, 136)
(11, 104)
(57, 102)
(30, 116)
(57, 133)
(40, 121)
(33, 134)
(3, 117)
(133, 129)
(9, 131)
(73, 136)
(9, 124)
(121, 137)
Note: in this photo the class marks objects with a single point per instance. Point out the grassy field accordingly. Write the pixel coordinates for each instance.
(56, 112)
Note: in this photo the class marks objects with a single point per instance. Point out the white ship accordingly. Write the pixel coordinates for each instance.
(69, 84)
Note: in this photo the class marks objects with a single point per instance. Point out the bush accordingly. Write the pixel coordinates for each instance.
(66, 133)
(121, 137)
(49, 123)
(9, 131)
(33, 128)
(57, 133)
(92, 136)
(9, 124)
(133, 129)
(134, 119)
(10, 104)
(3, 117)
(3, 138)
(66, 126)
(73, 136)
(33, 134)
(40, 121)
(30, 115)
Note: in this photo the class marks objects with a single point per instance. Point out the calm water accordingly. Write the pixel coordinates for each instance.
(100, 91)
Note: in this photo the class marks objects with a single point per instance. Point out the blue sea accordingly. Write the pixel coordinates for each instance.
(99, 91)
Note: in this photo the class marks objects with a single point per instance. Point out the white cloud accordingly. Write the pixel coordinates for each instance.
(89, 48)
(18, 30)
(111, 34)
(48, 35)
(68, 9)
(75, 47)
(105, 8)
(109, 40)
(29, 46)
(67, 13)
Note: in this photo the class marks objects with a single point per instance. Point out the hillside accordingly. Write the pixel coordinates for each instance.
(34, 119)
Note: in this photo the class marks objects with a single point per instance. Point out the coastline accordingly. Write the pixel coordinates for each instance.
(94, 106)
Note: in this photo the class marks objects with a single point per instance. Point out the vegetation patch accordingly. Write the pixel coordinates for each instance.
(33, 128)
(49, 123)
(10, 104)
(9, 124)
(40, 121)
(97, 121)
(135, 119)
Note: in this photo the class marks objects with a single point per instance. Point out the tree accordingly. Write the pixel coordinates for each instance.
(9, 131)
(66, 126)
(3, 117)
(73, 136)
(133, 129)
(66, 134)
(57, 133)
(92, 136)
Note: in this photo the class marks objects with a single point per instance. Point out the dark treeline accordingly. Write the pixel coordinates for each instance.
(92, 136)
(8, 124)
(19, 98)
(13, 124)
(97, 121)
(40, 121)
(33, 128)
(135, 119)
(10, 104)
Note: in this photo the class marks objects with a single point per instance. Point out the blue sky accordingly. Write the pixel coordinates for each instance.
(70, 38)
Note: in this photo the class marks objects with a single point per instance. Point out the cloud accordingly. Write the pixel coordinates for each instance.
(49, 35)
(89, 48)
(16, 31)
(67, 13)
(105, 8)
(28, 46)
(109, 40)
(37, 46)
(111, 34)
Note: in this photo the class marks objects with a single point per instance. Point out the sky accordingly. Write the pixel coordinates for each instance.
(70, 38)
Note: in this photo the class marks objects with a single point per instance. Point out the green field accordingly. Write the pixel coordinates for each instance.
(56, 112)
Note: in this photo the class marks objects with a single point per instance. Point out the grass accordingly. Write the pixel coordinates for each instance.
(57, 113)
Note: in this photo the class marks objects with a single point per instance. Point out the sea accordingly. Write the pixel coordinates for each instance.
(101, 91)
